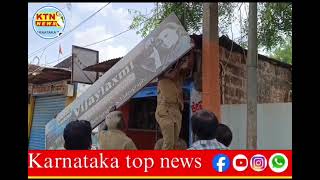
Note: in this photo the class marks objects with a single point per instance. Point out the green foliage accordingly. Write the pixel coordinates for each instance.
(191, 12)
(275, 24)
(274, 20)
(284, 52)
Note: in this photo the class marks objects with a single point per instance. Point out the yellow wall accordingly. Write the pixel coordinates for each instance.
(30, 114)
(69, 100)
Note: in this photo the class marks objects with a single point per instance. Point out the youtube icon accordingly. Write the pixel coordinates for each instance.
(240, 162)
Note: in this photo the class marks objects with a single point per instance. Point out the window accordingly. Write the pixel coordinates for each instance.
(142, 113)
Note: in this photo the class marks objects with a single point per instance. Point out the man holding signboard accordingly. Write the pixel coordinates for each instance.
(170, 101)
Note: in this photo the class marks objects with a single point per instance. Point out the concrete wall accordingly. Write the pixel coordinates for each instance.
(274, 125)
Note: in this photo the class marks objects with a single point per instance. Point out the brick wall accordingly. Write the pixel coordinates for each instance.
(274, 80)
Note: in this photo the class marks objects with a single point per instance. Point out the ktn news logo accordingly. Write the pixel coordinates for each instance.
(278, 163)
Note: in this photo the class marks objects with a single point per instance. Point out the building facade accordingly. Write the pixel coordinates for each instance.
(274, 86)
(51, 91)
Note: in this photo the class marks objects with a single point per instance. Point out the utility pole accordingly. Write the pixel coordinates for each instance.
(183, 15)
(252, 79)
(210, 60)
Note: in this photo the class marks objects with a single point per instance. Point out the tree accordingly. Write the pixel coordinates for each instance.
(284, 52)
(145, 24)
(275, 24)
(274, 20)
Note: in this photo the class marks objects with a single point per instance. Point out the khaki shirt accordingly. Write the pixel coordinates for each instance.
(170, 91)
(114, 139)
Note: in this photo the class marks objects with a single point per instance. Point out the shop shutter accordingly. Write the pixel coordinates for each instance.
(45, 109)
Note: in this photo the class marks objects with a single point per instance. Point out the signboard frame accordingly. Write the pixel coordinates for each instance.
(72, 65)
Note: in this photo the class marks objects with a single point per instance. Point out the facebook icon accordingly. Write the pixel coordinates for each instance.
(221, 163)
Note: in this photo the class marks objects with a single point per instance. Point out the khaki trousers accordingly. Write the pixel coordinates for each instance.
(169, 119)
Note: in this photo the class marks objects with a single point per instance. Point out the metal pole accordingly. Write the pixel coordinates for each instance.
(252, 79)
(210, 59)
(182, 17)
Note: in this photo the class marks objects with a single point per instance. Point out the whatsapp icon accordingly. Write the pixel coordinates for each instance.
(278, 162)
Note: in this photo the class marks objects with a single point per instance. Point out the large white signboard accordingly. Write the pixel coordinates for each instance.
(153, 55)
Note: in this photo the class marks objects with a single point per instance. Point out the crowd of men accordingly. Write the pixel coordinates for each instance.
(205, 126)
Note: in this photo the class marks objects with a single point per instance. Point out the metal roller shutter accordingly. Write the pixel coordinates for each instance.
(45, 109)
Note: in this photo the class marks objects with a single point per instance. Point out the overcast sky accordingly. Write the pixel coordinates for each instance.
(112, 20)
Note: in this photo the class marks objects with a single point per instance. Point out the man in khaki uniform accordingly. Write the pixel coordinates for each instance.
(181, 145)
(170, 102)
(113, 138)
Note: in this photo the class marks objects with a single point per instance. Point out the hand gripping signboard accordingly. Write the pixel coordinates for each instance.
(153, 55)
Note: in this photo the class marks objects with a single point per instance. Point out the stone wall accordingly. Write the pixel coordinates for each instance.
(274, 79)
